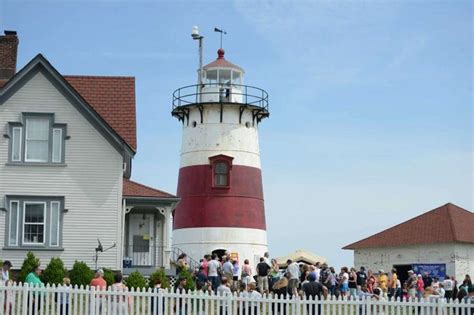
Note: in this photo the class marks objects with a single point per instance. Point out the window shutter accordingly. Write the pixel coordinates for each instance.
(16, 143)
(13, 224)
(57, 145)
(54, 224)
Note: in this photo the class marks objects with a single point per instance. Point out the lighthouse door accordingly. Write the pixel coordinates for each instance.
(141, 239)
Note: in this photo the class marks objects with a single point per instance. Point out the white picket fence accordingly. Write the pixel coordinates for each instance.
(51, 300)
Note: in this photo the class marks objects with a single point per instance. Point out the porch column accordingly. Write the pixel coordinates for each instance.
(167, 235)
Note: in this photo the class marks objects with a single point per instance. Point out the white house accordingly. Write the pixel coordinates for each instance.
(440, 241)
(66, 147)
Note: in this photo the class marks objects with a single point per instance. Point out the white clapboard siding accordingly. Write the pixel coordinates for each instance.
(18, 299)
(91, 182)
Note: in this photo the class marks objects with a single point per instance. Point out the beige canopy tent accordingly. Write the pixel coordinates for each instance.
(300, 255)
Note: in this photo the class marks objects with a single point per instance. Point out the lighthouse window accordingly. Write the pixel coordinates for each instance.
(221, 174)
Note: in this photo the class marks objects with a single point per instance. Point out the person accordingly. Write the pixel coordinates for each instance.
(201, 275)
(294, 274)
(228, 270)
(411, 284)
(246, 273)
(119, 304)
(157, 287)
(352, 283)
(435, 284)
(204, 264)
(448, 288)
(427, 280)
(280, 289)
(466, 283)
(344, 281)
(64, 297)
(331, 282)
(181, 263)
(33, 280)
(99, 283)
(393, 284)
(313, 290)
(317, 271)
(7, 265)
(181, 306)
(469, 299)
(274, 273)
(251, 293)
(361, 277)
(214, 267)
(371, 281)
(420, 286)
(383, 281)
(224, 290)
(262, 275)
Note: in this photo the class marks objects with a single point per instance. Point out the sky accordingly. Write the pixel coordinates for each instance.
(371, 101)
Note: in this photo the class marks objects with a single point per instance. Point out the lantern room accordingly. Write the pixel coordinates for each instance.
(222, 81)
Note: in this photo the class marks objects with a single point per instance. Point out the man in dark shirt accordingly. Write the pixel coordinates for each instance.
(313, 290)
(361, 277)
(262, 275)
(427, 280)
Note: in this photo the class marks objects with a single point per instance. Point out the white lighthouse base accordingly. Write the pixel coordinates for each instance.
(250, 244)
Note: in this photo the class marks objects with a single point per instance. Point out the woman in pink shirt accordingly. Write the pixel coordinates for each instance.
(420, 286)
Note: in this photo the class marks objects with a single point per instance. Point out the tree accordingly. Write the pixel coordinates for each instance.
(29, 265)
(108, 276)
(81, 274)
(54, 272)
(160, 275)
(136, 280)
(190, 283)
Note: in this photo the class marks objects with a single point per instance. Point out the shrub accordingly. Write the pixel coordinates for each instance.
(190, 283)
(54, 272)
(81, 274)
(136, 280)
(159, 274)
(29, 264)
(108, 276)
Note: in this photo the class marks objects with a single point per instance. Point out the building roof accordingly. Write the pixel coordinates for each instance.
(134, 189)
(446, 224)
(113, 98)
(221, 62)
(300, 255)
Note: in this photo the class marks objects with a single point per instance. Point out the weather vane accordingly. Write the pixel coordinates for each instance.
(220, 31)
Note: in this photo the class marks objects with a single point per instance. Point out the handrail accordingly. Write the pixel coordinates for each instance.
(193, 94)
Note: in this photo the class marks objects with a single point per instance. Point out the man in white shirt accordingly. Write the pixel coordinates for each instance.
(294, 270)
(448, 288)
(213, 272)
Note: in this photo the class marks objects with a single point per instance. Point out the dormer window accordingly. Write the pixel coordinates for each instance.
(36, 140)
(221, 166)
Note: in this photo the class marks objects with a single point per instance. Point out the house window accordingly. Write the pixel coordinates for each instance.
(37, 139)
(221, 166)
(221, 174)
(34, 222)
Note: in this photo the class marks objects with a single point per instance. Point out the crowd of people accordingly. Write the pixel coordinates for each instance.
(222, 274)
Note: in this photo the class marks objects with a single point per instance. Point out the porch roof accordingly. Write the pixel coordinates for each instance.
(134, 190)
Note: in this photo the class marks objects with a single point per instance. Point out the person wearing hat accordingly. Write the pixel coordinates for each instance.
(411, 284)
(7, 265)
(99, 283)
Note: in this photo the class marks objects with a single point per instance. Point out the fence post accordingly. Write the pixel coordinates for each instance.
(24, 307)
(92, 301)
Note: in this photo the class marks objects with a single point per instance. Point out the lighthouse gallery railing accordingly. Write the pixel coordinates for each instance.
(194, 94)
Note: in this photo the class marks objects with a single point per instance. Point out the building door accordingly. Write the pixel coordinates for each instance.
(141, 238)
(402, 272)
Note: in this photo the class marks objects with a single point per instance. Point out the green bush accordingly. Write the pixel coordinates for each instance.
(159, 274)
(190, 283)
(108, 276)
(29, 264)
(136, 280)
(81, 274)
(54, 272)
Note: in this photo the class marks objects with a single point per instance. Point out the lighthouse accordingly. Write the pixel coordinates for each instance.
(220, 178)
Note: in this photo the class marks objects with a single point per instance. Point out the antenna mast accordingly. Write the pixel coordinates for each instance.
(219, 30)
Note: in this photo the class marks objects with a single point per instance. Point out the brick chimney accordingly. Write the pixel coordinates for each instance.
(8, 55)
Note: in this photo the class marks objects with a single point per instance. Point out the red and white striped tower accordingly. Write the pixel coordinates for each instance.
(220, 178)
